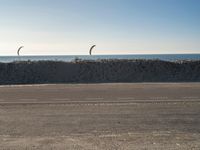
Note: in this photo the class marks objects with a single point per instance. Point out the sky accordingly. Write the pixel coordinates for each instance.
(71, 27)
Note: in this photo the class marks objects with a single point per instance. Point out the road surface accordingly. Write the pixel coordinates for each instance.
(100, 116)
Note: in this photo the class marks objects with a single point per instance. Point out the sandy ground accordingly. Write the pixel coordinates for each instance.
(100, 117)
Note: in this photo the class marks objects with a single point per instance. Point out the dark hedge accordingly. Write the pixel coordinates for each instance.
(99, 71)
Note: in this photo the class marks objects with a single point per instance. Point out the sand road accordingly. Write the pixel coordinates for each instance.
(100, 116)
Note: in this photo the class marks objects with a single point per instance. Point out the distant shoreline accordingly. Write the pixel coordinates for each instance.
(99, 71)
(69, 58)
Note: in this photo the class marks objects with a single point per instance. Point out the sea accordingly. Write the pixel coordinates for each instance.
(69, 58)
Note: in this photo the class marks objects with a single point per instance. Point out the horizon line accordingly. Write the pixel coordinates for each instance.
(102, 54)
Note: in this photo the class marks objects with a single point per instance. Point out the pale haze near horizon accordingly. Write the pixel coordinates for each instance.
(70, 27)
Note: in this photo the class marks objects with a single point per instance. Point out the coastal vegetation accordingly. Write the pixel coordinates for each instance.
(98, 71)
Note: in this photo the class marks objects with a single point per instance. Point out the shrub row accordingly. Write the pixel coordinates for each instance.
(99, 71)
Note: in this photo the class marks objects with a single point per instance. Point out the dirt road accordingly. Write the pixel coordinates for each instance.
(100, 116)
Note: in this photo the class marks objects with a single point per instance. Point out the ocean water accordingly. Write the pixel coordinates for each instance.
(68, 58)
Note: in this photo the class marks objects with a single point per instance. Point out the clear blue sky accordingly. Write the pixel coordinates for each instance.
(66, 27)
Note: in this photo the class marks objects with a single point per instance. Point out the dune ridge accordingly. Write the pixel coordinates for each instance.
(98, 71)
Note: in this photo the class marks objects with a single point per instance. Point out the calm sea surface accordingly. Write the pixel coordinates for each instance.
(68, 58)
